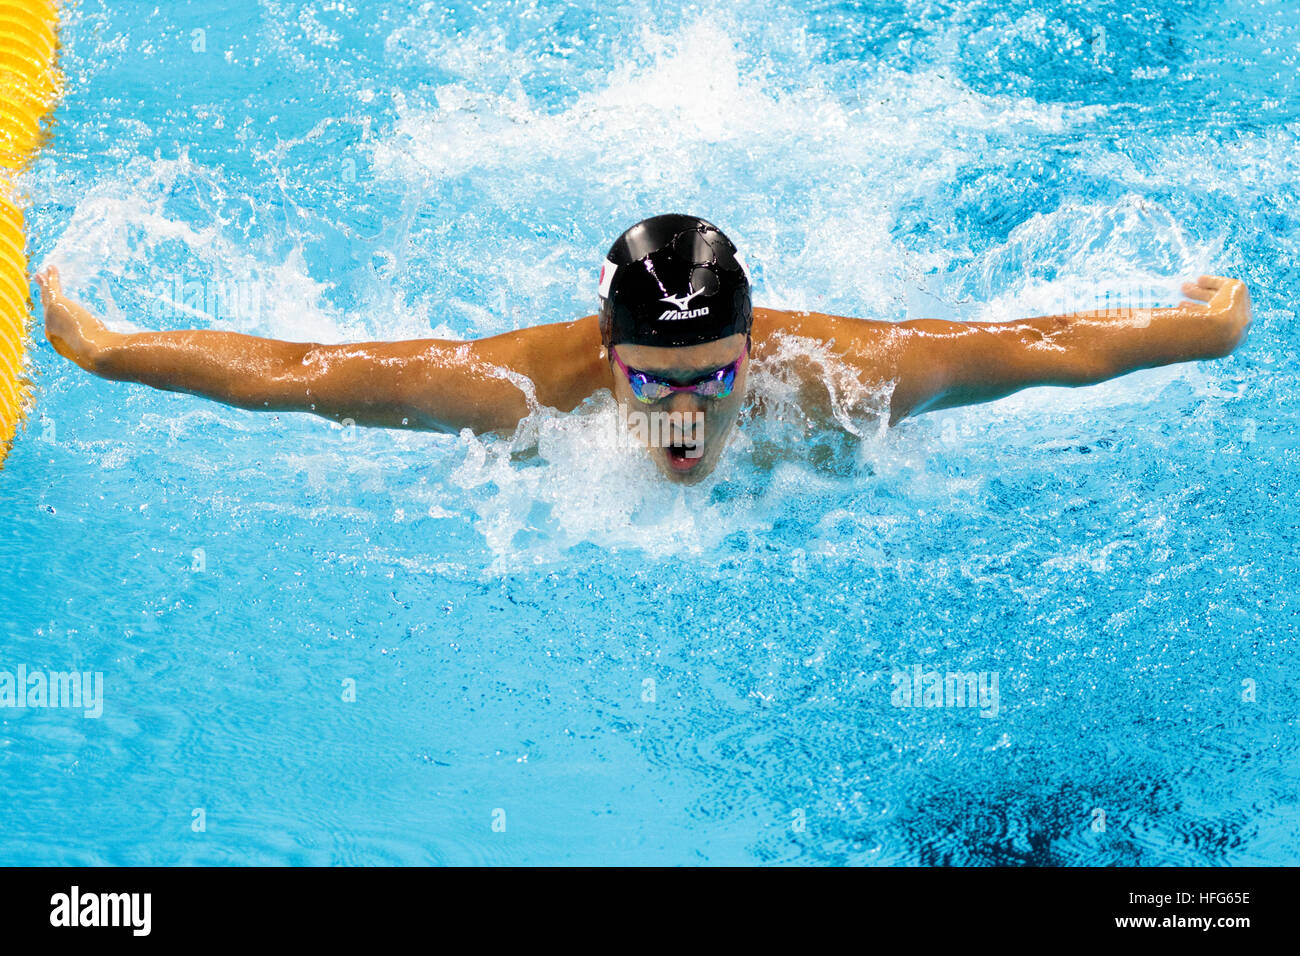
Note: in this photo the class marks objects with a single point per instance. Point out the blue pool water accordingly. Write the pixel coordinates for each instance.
(555, 656)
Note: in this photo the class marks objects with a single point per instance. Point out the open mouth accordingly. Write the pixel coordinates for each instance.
(683, 457)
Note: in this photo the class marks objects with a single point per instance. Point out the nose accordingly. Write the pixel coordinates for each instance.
(685, 402)
(686, 416)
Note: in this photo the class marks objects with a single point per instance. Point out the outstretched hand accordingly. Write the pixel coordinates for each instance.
(1224, 300)
(73, 330)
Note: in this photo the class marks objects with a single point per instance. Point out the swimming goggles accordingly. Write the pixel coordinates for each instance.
(651, 388)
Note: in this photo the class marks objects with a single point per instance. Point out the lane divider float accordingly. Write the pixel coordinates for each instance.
(30, 84)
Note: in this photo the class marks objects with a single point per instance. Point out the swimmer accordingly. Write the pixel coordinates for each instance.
(675, 337)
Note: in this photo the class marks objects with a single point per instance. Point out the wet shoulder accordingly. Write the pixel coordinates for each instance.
(820, 370)
(846, 332)
(576, 347)
(564, 360)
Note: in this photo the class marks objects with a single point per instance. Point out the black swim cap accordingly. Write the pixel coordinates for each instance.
(673, 280)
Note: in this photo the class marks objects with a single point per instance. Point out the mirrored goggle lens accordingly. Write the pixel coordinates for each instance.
(651, 390)
(719, 386)
(648, 390)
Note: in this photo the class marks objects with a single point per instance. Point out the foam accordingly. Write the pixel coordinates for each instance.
(503, 199)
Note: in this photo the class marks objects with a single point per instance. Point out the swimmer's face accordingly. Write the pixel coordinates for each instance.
(683, 432)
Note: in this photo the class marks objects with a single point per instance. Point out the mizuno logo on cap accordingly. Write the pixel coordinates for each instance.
(668, 315)
(682, 301)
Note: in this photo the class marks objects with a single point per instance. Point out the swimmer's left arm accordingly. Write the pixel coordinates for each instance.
(941, 364)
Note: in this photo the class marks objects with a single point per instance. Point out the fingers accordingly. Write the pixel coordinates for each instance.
(1226, 292)
(1194, 291)
(50, 282)
(1195, 306)
(46, 295)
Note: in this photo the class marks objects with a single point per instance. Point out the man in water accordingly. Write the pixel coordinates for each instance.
(674, 341)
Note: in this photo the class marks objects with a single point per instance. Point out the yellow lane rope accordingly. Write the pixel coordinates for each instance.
(29, 89)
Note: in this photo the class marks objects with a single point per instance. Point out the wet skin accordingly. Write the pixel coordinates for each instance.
(489, 385)
(693, 441)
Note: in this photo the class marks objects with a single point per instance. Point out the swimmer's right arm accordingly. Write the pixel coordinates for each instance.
(484, 385)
